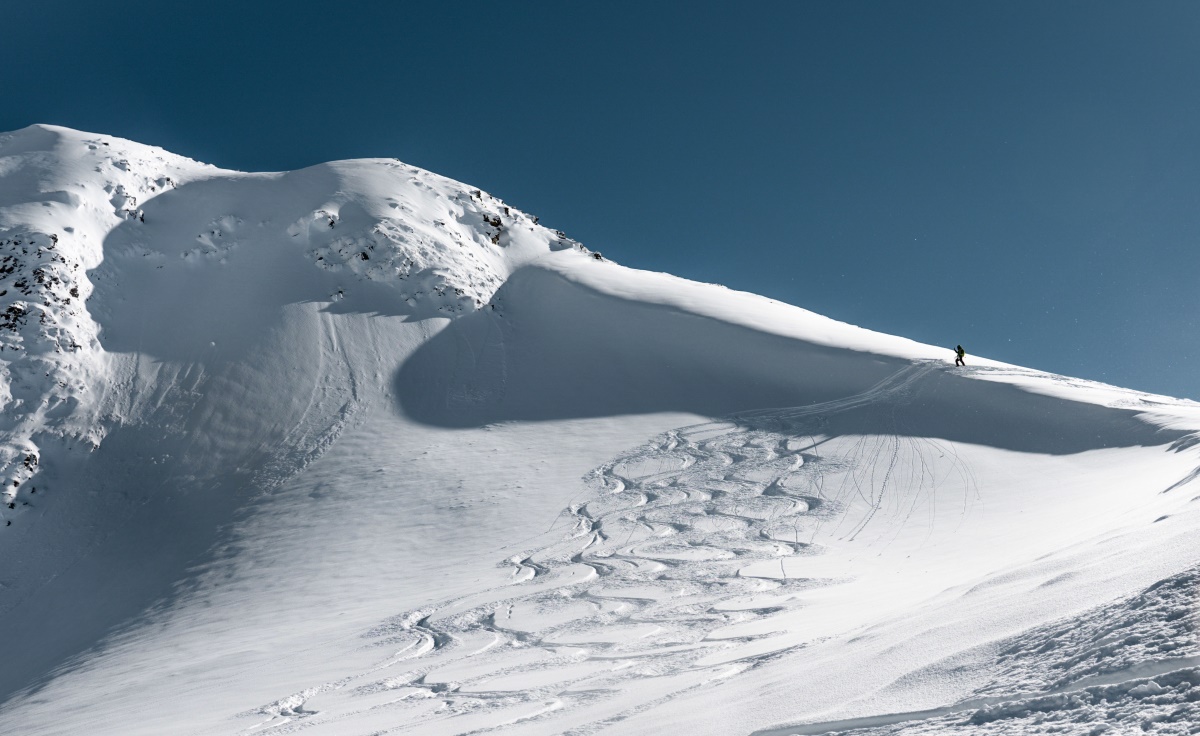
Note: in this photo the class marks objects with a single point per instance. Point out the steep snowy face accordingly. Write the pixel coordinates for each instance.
(61, 194)
(93, 229)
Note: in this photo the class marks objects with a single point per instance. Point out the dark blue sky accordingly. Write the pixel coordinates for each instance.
(1019, 177)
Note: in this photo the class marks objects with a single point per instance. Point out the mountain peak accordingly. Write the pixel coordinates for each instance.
(365, 446)
(94, 229)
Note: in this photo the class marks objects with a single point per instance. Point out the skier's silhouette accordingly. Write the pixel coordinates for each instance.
(959, 354)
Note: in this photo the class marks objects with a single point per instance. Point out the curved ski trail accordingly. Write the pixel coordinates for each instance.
(664, 550)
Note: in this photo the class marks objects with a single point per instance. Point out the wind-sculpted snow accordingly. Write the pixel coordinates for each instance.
(302, 451)
(111, 248)
(1129, 667)
(595, 354)
(167, 343)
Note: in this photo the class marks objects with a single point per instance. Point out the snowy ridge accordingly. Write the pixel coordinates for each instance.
(361, 449)
(80, 212)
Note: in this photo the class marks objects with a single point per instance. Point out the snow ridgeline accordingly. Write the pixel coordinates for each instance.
(312, 393)
(83, 213)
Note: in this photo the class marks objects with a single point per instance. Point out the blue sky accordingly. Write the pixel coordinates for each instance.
(1019, 177)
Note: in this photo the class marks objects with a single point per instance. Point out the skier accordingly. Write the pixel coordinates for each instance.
(959, 354)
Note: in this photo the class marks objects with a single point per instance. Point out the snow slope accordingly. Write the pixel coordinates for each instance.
(359, 449)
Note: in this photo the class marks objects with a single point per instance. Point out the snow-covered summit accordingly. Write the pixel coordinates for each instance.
(379, 219)
(361, 449)
(99, 230)
(112, 247)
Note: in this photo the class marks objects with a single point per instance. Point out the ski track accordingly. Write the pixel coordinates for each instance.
(650, 565)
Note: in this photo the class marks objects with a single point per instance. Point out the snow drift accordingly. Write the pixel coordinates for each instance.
(361, 449)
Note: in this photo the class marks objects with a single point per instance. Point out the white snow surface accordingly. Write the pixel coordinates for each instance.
(359, 449)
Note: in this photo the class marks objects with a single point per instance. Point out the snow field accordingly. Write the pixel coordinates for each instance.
(359, 449)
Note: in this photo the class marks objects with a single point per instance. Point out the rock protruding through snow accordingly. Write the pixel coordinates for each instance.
(93, 228)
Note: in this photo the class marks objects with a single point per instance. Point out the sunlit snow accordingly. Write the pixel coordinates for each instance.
(358, 449)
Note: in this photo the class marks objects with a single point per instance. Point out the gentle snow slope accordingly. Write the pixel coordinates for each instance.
(358, 449)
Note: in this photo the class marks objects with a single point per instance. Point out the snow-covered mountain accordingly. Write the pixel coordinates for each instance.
(359, 449)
